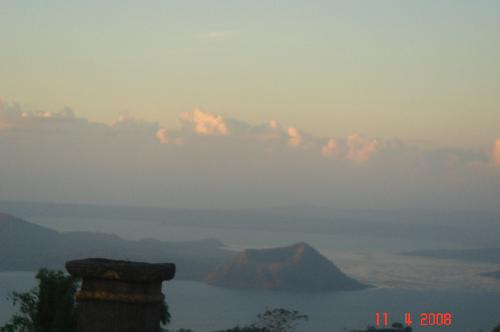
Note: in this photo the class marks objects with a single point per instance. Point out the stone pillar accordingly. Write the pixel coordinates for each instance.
(119, 296)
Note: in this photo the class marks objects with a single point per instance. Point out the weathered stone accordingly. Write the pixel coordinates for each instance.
(119, 295)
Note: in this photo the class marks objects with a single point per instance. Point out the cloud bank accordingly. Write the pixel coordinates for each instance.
(207, 160)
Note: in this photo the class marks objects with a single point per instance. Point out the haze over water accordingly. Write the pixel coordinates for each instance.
(404, 283)
(371, 258)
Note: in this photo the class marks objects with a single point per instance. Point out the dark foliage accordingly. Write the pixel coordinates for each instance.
(165, 314)
(273, 320)
(280, 320)
(50, 307)
(251, 328)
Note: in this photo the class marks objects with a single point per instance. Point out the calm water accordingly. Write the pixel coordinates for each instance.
(405, 284)
(373, 260)
(205, 308)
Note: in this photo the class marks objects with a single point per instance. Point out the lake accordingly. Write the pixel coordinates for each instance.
(370, 259)
(206, 308)
(404, 283)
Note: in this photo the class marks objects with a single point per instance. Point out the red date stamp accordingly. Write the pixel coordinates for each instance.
(431, 319)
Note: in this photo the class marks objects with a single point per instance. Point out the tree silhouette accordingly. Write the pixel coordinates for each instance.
(273, 320)
(50, 307)
(280, 320)
(250, 328)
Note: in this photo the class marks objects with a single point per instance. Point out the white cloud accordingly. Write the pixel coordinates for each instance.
(294, 137)
(204, 123)
(127, 162)
(273, 124)
(12, 117)
(162, 135)
(65, 113)
(126, 120)
(329, 148)
(360, 149)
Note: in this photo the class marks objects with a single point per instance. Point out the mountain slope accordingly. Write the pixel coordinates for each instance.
(296, 267)
(25, 246)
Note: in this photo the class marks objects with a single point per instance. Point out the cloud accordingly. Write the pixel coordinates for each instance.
(65, 113)
(13, 117)
(495, 153)
(294, 137)
(204, 123)
(360, 149)
(270, 137)
(162, 135)
(329, 148)
(46, 155)
(273, 124)
(10, 115)
(128, 122)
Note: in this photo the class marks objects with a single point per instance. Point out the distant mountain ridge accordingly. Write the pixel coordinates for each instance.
(25, 246)
(295, 267)
(460, 228)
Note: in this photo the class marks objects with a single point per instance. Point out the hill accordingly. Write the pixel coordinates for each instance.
(296, 267)
(25, 247)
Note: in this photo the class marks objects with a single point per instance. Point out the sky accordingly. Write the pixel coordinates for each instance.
(249, 103)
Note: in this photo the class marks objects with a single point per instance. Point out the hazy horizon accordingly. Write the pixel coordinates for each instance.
(235, 104)
(213, 162)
